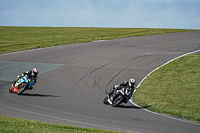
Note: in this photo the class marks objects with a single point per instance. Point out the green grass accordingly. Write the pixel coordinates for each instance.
(14, 125)
(13, 39)
(173, 89)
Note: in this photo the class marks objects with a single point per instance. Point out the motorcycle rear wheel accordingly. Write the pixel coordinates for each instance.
(105, 101)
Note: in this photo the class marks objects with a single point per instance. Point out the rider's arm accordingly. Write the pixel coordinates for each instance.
(116, 87)
(35, 79)
(124, 83)
(22, 75)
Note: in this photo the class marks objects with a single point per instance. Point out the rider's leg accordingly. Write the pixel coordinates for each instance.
(31, 85)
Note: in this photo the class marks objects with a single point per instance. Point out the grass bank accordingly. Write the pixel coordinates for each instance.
(14, 125)
(13, 39)
(173, 89)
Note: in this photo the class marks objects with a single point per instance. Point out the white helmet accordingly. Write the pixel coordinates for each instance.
(131, 82)
(35, 71)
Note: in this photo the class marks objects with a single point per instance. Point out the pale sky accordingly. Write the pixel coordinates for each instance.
(178, 14)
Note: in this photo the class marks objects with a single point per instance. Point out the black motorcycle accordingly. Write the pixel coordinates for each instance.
(119, 96)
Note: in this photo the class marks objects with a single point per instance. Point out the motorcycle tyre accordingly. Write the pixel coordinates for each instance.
(21, 90)
(114, 104)
(10, 89)
(105, 101)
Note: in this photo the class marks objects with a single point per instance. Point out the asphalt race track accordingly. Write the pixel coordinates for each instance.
(74, 78)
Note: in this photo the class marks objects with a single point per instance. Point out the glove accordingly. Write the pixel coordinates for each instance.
(116, 86)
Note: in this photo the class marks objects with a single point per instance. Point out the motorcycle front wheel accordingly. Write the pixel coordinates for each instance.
(105, 101)
(10, 89)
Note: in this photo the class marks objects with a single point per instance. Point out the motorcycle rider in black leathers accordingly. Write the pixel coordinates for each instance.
(129, 84)
(32, 76)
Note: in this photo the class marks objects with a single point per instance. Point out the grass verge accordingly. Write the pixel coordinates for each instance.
(158, 92)
(13, 39)
(173, 89)
(15, 125)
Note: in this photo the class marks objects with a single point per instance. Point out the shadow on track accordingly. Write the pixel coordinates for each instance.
(38, 95)
(129, 106)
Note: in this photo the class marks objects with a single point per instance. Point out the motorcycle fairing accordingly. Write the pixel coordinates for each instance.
(15, 89)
